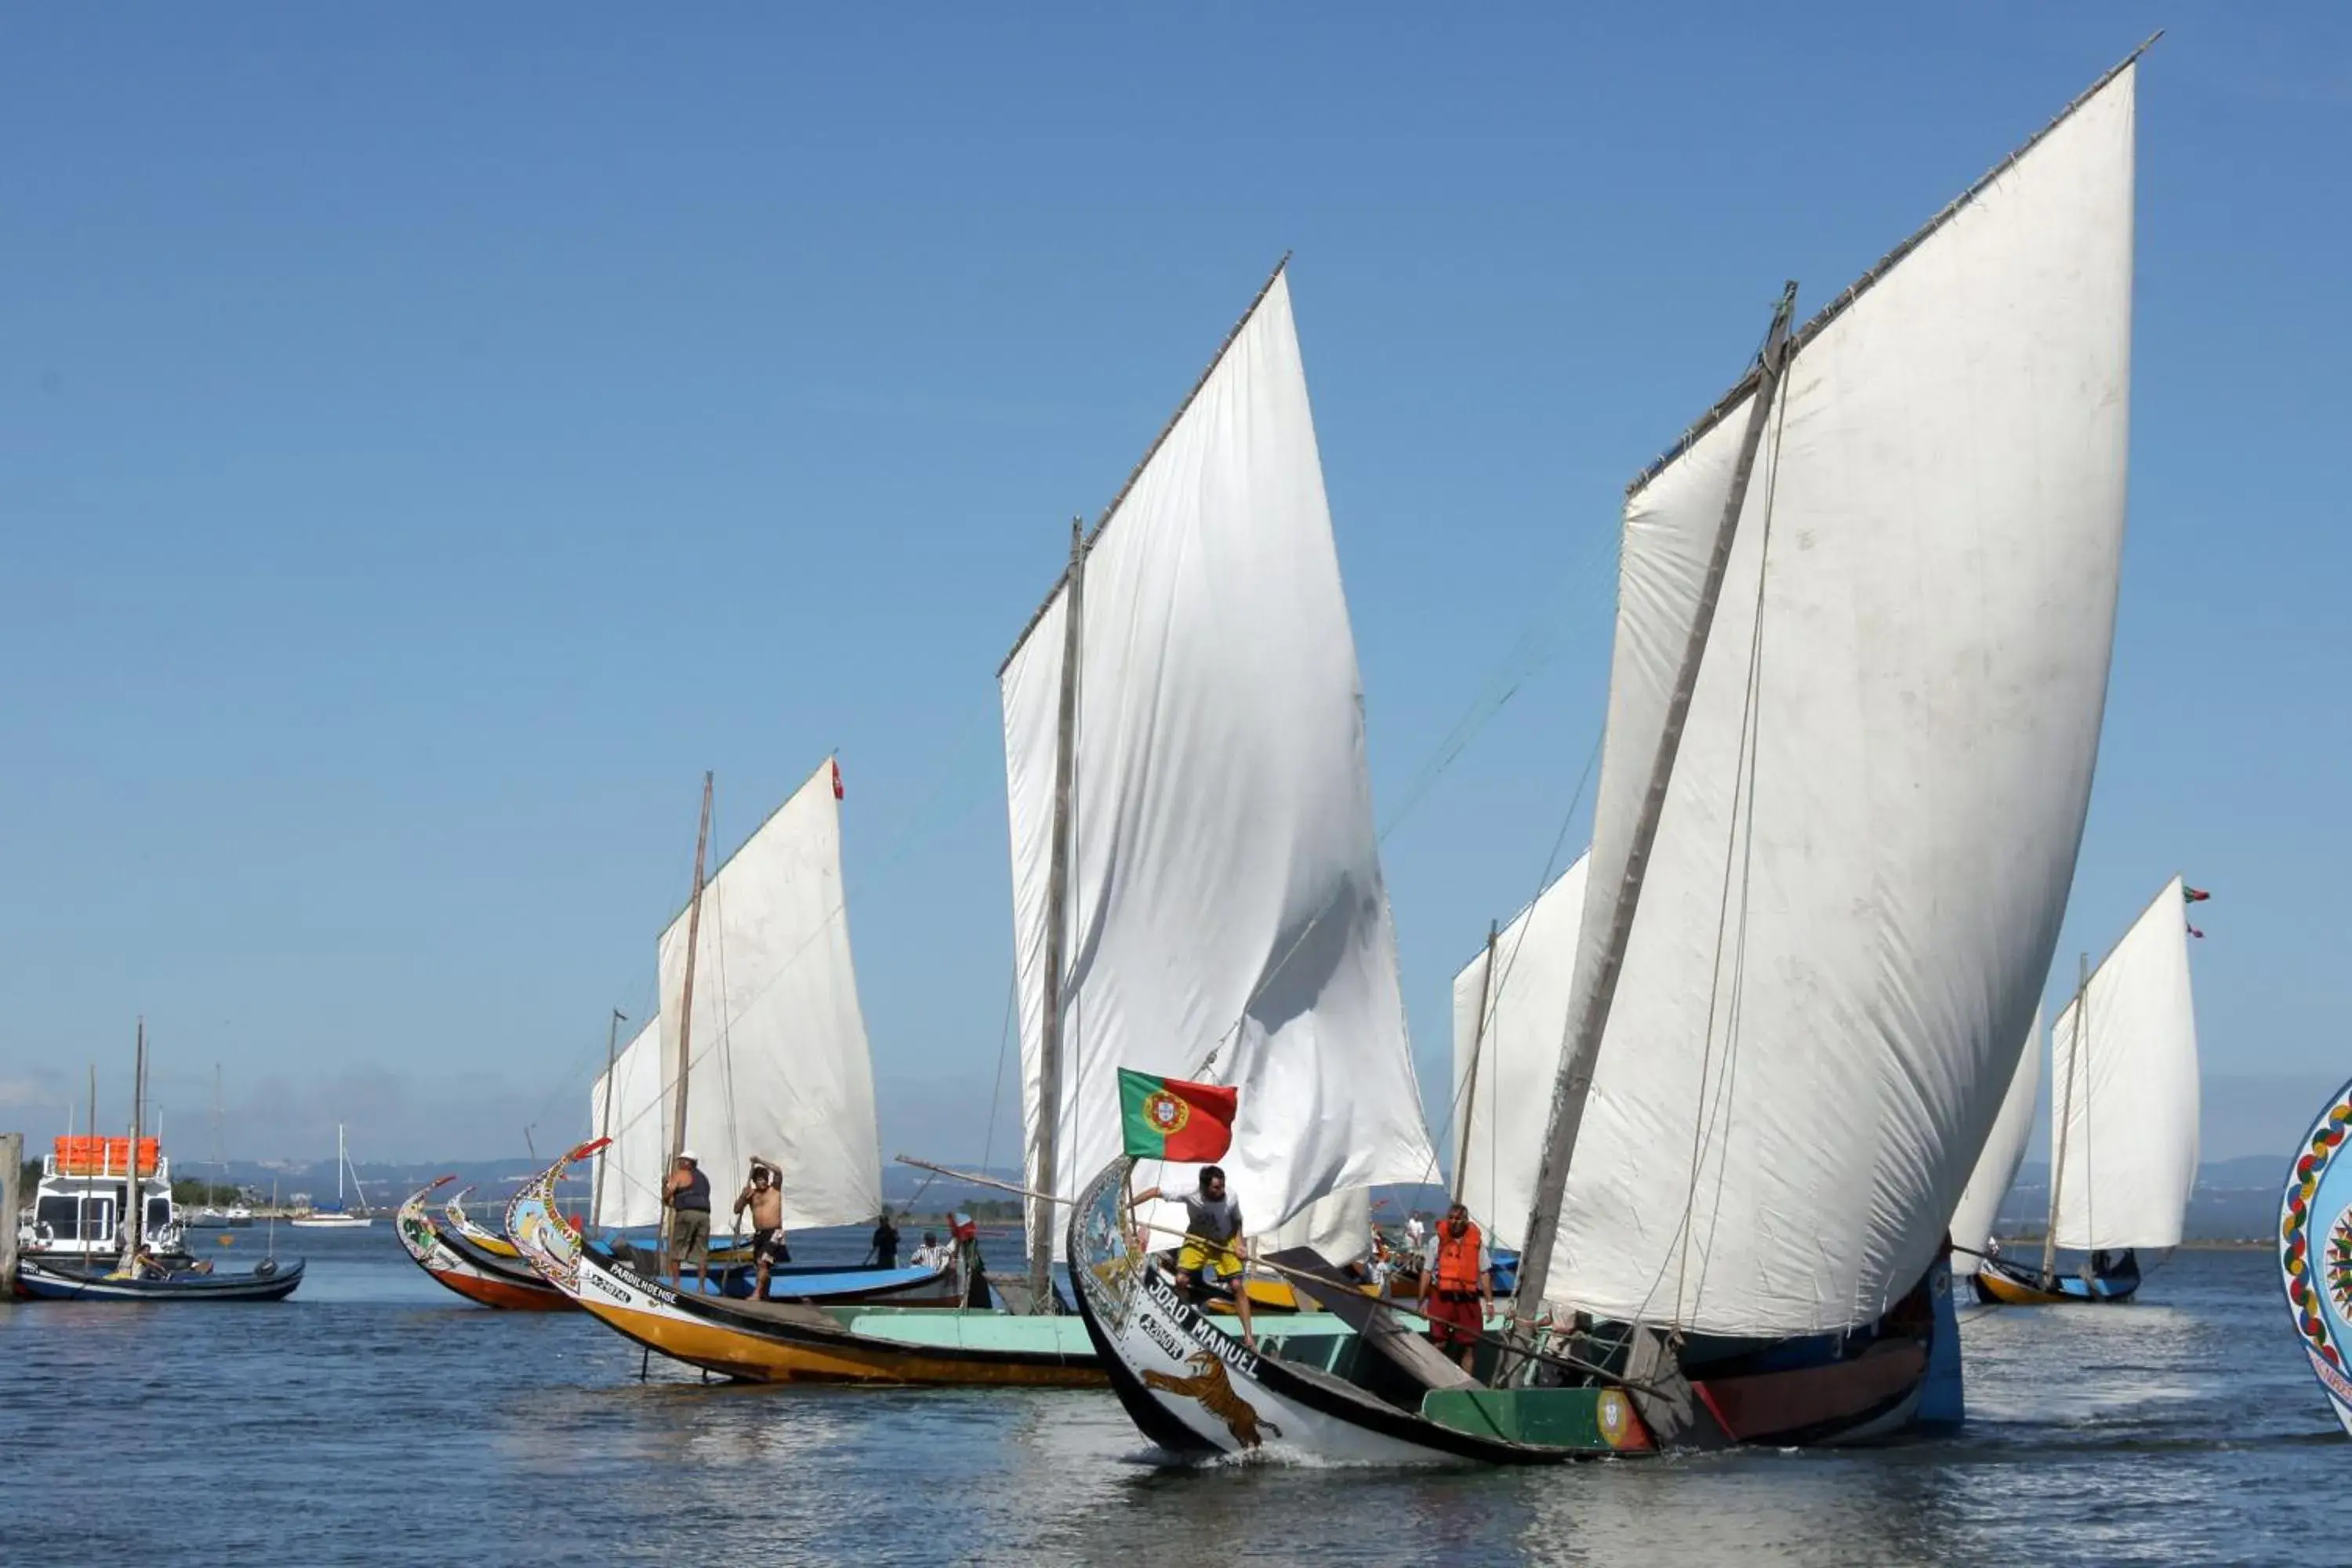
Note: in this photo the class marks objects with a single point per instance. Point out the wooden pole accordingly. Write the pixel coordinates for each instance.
(685, 1011)
(1592, 1018)
(1057, 902)
(1470, 1078)
(2065, 1114)
(131, 1204)
(12, 1160)
(604, 1127)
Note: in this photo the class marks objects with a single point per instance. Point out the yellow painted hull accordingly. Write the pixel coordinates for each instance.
(733, 1352)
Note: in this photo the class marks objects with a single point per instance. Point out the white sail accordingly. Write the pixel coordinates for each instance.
(1997, 1166)
(2129, 1098)
(626, 1178)
(779, 1067)
(1339, 1228)
(1225, 896)
(1871, 826)
(1499, 1122)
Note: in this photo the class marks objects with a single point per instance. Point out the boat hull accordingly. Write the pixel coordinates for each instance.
(769, 1341)
(1196, 1391)
(44, 1282)
(1193, 1389)
(465, 1272)
(799, 1343)
(1998, 1284)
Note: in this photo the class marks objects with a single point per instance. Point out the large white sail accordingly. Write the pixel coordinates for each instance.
(2129, 1096)
(2004, 1148)
(779, 1067)
(1225, 897)
(1869, 831)
(1499, 1121)
(627, 1176)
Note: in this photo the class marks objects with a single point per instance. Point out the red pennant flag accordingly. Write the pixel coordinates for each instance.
(2194, 932)
(2194, 895)
(836, 787)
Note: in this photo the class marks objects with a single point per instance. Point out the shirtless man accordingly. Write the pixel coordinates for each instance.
(766, 1202)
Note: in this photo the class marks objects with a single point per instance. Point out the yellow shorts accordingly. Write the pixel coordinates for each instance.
(1198, 1251)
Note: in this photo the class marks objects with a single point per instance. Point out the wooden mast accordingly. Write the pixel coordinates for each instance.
(2065, 1114)
(1470, 1078)
(1584, 1048)
(685, 1010)
(604, 1127)
(1057, 903)
(131, 1207)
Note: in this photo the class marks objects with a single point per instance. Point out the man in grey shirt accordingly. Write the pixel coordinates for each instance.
(1212, 1241)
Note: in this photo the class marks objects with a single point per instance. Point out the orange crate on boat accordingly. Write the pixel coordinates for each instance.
(80, 1156)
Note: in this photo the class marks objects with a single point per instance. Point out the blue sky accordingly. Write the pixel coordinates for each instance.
(427, 441)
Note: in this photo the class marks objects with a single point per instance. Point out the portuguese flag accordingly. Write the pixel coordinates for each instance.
(1168, 1119)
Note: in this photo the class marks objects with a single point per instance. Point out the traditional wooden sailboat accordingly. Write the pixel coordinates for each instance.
(787, 1081)
(1864, 630)
(757, 966)
(455, 1262)
(2124, 1099)
(826, 1340)
(2316, 1250)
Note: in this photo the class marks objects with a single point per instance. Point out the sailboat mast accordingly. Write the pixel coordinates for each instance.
(604, 1130)
(685, 1003)
(132, 1204)
(340, 1158)
(1470, 1078)
(1057, 901)
(1576, 1069)
(2058, 1155)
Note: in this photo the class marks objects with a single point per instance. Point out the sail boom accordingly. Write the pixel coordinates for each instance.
(1724, 406)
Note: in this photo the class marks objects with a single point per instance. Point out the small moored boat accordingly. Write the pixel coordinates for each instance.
(44, 1280)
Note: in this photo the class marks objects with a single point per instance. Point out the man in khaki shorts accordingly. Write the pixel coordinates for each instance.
(687, 1195)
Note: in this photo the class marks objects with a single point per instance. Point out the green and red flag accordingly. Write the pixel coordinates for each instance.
(1168, 1119)
(2194, 895)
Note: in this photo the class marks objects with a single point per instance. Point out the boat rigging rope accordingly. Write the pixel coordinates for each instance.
(1708, 1111)
(996, 1088)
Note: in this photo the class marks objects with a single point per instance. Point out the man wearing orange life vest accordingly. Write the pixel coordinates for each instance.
(1457, 1292)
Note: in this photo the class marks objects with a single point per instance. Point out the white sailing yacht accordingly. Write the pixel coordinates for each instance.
(339, 1217)
(2124, 1117)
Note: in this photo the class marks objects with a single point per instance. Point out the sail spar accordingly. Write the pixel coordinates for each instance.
(1867, 834)
(1226, 918)
(2127, 1151)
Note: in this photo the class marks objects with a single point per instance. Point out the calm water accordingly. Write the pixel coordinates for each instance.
(374, 1419)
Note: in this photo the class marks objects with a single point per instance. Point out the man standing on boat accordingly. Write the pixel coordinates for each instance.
(1212, 1241)
(1457, 1289)
(687, 1195)
(886, 1242)
(765, 1198)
